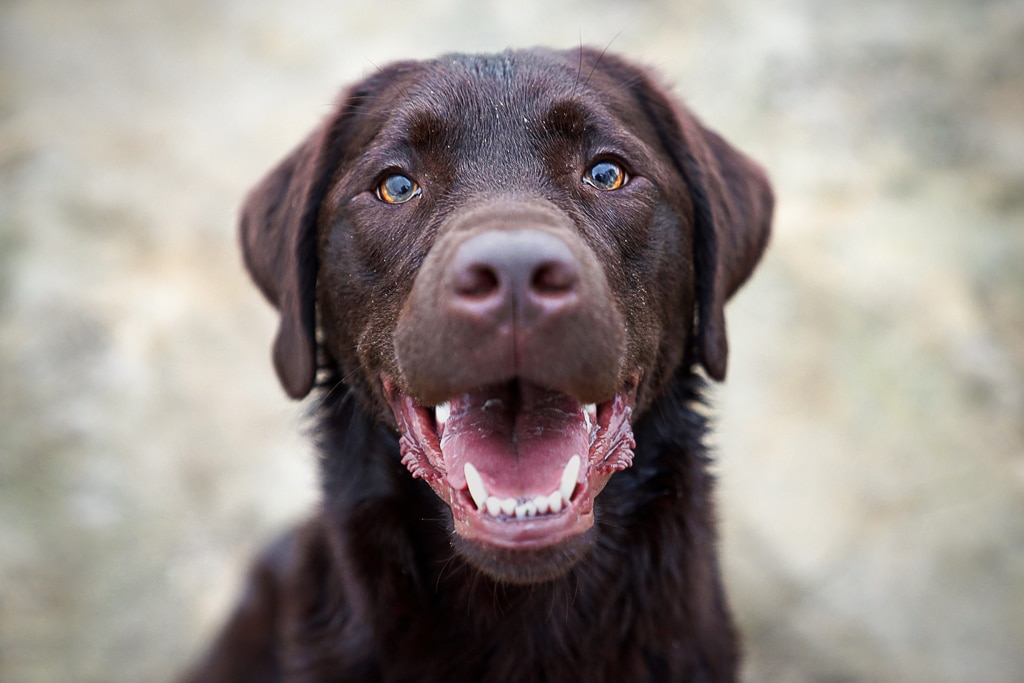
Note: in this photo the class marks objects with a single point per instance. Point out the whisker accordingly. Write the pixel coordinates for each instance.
(579, 69)
(597, 61)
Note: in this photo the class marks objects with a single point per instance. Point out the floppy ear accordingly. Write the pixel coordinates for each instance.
(278, 234)
(279, 220)
(732, 206)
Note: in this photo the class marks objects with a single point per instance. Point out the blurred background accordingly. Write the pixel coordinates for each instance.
(871, 432)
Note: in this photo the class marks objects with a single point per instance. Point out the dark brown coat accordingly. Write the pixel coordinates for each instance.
(519, 235)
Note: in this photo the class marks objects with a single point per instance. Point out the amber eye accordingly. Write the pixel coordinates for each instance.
(605, 175)
(397, 189)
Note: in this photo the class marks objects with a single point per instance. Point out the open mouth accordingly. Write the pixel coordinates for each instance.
(519, 465)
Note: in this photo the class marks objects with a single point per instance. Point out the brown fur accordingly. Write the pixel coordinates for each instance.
(378, 586)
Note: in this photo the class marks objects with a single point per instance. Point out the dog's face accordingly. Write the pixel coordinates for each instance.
(510, 256)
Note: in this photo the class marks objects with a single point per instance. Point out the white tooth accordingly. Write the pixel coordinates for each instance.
(493, 506)
(531, 508)
(442, 412)
(569, 474)
(542, 504)
(521, 510)
(586, 418)
(508, 506)
(476, 486)
(555, 502)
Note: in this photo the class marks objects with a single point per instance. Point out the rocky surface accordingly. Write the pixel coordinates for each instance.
(871, 433)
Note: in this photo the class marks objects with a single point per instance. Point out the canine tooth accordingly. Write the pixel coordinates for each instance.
(555, 502)
(590, 417)
(569, 474)
(476, 486)
(542, 504)
(442, 412)
(493, 506)
(508, 506)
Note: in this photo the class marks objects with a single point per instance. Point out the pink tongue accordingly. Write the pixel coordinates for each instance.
(518, 436)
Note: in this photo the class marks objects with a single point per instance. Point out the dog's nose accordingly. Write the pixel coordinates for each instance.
(523, 275)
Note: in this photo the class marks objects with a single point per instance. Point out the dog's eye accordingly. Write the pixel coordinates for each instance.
(605, 175)
(397, 189)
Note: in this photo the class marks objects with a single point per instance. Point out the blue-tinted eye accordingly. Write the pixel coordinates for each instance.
(605, 175)
(397, 189)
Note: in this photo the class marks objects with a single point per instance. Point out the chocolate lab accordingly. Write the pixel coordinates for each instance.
(501, 275)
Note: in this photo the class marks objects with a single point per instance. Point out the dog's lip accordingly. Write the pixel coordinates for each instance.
(609, 450)
(530, 533)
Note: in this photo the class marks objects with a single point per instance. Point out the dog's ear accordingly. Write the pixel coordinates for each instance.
(279, 220)
(278, 234)
(732, 206)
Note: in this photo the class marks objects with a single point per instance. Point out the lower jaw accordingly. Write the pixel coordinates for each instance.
(525, 566)
(524, 534)
(530, 551)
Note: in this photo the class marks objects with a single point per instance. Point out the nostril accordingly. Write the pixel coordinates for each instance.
(520, 276)
(478, 281)
(554, 278)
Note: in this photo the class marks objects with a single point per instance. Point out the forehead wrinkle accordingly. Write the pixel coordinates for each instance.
(566, 120)
(428, 132)
(491, 119)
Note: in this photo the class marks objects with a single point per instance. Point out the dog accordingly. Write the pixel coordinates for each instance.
(503, 277)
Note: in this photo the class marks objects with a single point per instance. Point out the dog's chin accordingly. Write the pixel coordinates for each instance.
(525, 566)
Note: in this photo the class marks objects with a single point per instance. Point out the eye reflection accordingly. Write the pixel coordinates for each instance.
(605, 175)
(397, 189)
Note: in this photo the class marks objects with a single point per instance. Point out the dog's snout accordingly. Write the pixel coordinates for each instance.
(524, 273)
(510, 291)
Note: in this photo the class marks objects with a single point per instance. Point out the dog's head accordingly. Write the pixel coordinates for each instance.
(508, 258)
